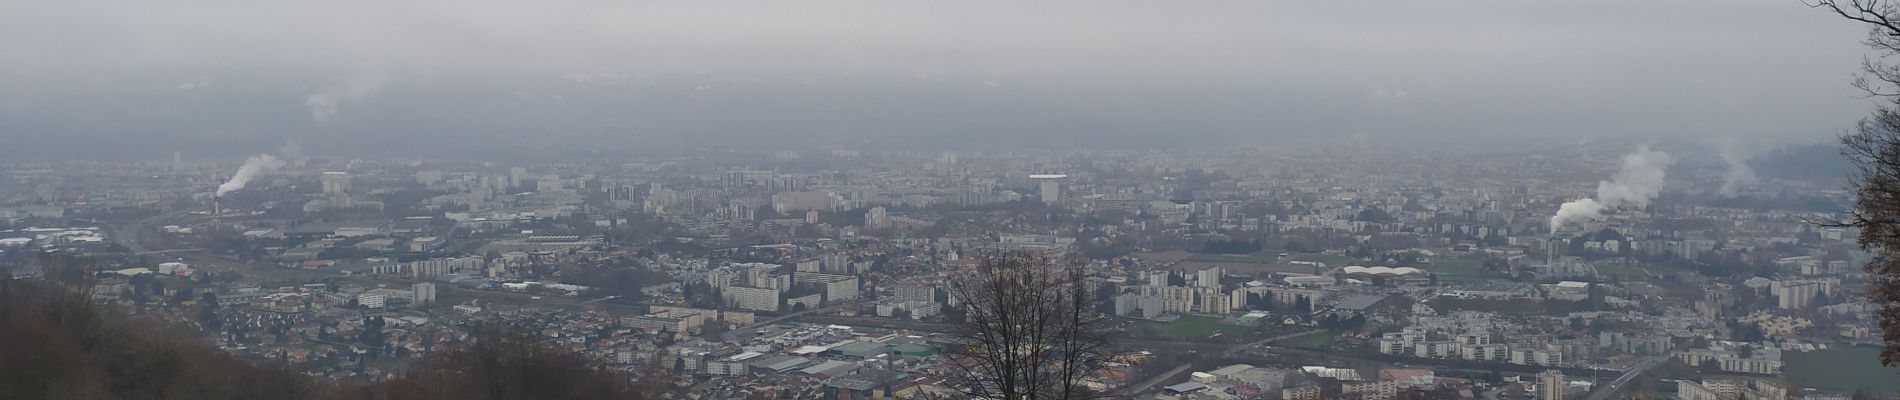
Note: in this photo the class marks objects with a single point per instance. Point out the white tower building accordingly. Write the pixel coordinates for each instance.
(1050, 186)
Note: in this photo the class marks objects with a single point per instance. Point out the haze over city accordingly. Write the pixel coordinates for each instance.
(841, 200)
(114, 79)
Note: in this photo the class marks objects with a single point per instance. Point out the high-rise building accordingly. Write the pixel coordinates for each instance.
(1209, 278)
(1049, 186)
(1300, 393)
(876, 219)
(1793, 294)
(1550, 385)
(837, 288)
(424, 293)
(752, 299)
(429, 177)
(809, 266)
(721, 278)
(336, 183)
(916, 293)
(372, 300)
(836, 263)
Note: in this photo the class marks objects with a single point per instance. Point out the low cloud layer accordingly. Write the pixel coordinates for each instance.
(210, 70)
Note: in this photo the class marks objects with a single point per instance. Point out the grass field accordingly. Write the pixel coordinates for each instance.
(1194, 326)
(1456, 267)
(1316, 340)
(1842, 368)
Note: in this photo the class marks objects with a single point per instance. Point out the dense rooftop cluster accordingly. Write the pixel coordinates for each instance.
(1251, 273)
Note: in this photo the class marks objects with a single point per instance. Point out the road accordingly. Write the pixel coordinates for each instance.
(1604, 392)
(1150, 382)
(778, 319)
(1230, 351)
(1242, 347)
(1188, 345)
(1269, 355)
(1209, 347)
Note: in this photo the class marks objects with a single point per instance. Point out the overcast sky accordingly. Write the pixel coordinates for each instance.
(80, 76)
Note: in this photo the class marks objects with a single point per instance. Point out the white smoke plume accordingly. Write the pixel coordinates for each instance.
(325, 103)
(252, 166)
(1736, 174)
(1638, 182)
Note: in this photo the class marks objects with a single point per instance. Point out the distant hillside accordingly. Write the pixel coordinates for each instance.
(1812, 161)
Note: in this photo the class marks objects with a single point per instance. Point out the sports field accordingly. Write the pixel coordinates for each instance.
(1193, 326)
(1315, 340)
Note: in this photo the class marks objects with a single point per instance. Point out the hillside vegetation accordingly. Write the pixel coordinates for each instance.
(55, 343)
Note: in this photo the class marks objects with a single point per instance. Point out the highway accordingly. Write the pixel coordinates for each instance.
(1632, 372)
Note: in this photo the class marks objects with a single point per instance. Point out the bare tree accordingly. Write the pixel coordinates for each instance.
(510, 362)
(1874, 149)
(1028, 331)
(1882, 78)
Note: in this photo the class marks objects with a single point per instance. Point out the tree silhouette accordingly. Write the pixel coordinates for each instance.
(56, 343)
(506, 363)
(1030, 331)
(1874, 149)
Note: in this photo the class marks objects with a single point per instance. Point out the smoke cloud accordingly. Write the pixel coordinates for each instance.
(1638, 182)
(1736, 174)
(325, 103)
(252, 166)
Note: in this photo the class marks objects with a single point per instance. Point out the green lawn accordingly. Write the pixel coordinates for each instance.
(1842, 368)
(1456, 267)
(1315, 340)
(1194, 326)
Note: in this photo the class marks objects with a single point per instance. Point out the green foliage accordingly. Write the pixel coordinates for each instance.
(55, 343)
(1195, 326)
(509, 363)
(1374, 214)
(1316, 340)
(1231, 247)
(625, 282)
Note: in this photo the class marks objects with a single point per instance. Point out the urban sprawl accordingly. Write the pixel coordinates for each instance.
(1252, 273)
